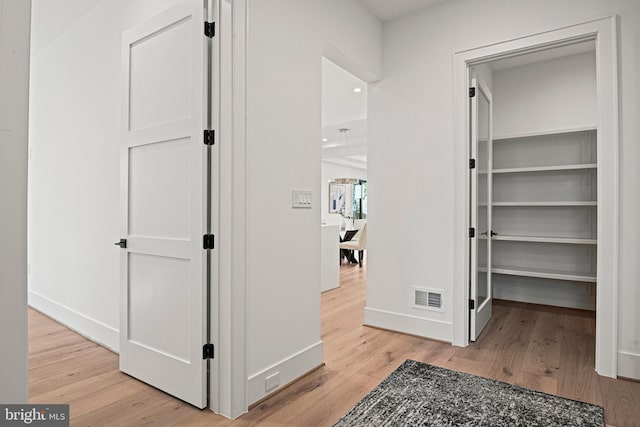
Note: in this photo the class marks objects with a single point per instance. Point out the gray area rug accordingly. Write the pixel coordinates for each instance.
(417, 394)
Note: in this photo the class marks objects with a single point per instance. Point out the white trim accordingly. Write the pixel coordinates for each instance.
(215, 379)
(428, 328)
(290, 369)
(604, 32)
(230, 335)
(92, 329)
(629, 365)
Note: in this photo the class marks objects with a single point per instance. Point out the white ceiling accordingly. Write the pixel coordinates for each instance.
(388, 10)
(339, 102)
(343, 108)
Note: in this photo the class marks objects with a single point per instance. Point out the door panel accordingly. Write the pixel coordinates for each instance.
(481, 214)
(163, 51)
(159, 189)
(164, 194)
(154, 291)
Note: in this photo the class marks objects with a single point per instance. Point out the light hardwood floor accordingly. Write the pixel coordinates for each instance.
(538, 347)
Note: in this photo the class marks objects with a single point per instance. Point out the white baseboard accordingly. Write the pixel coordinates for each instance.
(290, 369)
(629, 365)
(428, 328)
(89, 328)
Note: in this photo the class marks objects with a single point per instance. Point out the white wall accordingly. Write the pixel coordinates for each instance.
(551, 95)
(330, 171)
(412, 106)
(15, 22)
(74, 173)
(286, 41)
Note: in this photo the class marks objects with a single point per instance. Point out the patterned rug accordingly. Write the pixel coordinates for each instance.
(417, 394)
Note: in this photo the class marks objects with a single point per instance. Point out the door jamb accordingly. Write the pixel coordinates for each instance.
(604, 32)
(228, 324)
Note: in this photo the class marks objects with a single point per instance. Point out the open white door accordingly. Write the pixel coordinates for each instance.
(481, 198)
(164, 202)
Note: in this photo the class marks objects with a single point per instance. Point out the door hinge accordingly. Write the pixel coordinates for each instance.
(210, 29)
(208, 241)
(472, 232)
(208, 351)
(472, 304)
(472, 163)
(472, 92)
(209, 137)
(122, 243)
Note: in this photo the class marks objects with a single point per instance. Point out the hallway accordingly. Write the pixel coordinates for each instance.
(538, 347)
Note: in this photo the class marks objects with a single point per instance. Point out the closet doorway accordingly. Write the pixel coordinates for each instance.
(541, 189)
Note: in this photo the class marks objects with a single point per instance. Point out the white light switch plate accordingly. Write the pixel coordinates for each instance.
(301, 199)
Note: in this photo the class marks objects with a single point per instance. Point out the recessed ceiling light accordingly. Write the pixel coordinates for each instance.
(357, 90)
(324, 139)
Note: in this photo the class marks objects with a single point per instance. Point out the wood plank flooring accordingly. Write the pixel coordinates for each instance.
(539, 347)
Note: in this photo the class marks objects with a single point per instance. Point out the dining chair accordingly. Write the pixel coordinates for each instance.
(357, 243)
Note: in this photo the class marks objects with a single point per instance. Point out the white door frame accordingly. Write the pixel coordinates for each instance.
(228, 325)
(603, 31)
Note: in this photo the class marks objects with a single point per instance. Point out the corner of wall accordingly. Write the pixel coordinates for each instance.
(91, 329)
(289, 370)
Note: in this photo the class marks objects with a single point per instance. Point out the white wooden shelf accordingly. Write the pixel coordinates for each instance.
(542, 273)
(558, 203)
(586, 166)
(544, 133)
(543, 192)
(539, 239)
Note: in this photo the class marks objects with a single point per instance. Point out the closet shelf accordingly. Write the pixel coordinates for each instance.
(585, 166)
(554, 203)
(539, 239)
(543, 133)
(542, 273)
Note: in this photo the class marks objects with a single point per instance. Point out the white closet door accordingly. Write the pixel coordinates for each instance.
(481, 199)
(163, 190)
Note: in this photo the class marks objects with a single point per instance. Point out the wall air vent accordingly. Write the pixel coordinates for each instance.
(427, 299)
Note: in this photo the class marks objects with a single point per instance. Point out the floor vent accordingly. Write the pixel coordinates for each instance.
(427, 299)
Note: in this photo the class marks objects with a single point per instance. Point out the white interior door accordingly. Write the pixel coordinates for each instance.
(164, 199)
(481, 185)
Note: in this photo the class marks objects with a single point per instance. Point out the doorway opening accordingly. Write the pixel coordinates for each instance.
(343, 175)
(533, 189)
(541, 186)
